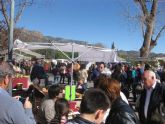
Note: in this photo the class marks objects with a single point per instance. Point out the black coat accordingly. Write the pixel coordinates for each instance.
(37, 72)
(79, 120)
(157, 97)
(121, 113)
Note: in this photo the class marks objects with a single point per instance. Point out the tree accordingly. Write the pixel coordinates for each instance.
(20, 5)
(149, 12)
(99, 44)
(113, 46)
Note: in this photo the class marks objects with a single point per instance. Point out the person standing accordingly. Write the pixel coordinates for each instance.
(38, 73)
(83, 73)
(47, 111)
(97, 72)
(152, 100)
(62, 73)
(12, 110)
(56, 73)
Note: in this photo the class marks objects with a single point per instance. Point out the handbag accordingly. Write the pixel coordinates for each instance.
(159, 115)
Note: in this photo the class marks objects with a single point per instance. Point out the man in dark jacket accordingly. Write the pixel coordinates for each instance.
(121, 113)
(38, 72)
(152, 100)
(93, 108)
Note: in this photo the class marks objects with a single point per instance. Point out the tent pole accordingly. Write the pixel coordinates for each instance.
(62, 52)
(71, 83)
(20, 62)
(83, 54)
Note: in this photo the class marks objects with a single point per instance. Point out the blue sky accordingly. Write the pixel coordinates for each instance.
(87, 20)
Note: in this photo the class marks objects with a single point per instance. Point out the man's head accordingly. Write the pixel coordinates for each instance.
(5, 74)
(138, 66)
(54, 91)
(4, 79)
(101, 66)
(94, 104)
(39, 61)
(149, 78)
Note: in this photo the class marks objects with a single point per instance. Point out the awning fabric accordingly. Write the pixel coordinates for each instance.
(86, 52)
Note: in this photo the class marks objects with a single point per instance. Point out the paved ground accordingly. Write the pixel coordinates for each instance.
(132, 103)
(51, 80)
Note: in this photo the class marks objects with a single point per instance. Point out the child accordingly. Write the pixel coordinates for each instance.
(81, 86)
(62, 110)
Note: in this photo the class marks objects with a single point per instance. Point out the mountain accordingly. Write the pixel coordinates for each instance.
(62, 40)
(30, 36)
(135, 54)
(35, 36)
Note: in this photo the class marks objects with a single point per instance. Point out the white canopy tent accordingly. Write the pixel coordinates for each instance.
(21, 47)
(86, 53)
(18, 56)
(26, 51)
(99, 56)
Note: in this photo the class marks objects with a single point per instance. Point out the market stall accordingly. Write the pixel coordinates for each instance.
(86, 52)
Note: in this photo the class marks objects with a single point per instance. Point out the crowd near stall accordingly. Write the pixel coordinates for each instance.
(93, 88)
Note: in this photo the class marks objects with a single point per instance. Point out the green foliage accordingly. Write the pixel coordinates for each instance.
(162, 63)
(124, 56)
(49, 54)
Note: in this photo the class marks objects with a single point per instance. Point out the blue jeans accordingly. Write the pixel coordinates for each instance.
(57, 79)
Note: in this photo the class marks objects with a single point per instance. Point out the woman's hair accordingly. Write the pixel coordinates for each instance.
(82, 66)
(61, 108)
(111, 87)
(100, 79)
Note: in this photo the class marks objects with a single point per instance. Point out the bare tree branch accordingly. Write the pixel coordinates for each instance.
(142, 26)
(159, 34)
(17, 17)
(154, 8)
(144, 7)
(2, 25)
(149, 12)
(4, 12)
(26, 2)
(22, 6)
(154, 42)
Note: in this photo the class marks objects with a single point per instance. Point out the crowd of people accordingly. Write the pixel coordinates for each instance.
(105, 103)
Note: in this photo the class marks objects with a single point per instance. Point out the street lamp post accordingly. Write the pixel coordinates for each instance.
(11, 29)
(10, 40)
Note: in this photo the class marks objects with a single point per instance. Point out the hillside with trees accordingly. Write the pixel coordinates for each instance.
(34, 36)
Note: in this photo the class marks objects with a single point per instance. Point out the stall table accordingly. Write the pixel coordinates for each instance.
(23, 80)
